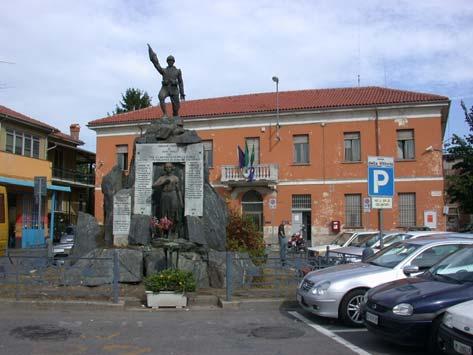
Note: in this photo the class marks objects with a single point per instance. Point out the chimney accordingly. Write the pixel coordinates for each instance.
(75, 130)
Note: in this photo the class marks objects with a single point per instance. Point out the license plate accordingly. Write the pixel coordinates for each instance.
(299, 298)
(59, 250)
(373, 318)
(461, 348)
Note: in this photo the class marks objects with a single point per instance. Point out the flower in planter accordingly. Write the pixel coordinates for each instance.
(162, 226)
(170, 280)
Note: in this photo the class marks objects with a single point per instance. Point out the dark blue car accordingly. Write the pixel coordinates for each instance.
(409, 311)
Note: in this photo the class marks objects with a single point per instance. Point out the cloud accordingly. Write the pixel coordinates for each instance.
(75, 58)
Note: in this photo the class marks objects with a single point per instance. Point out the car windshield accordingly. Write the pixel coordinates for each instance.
(365, 240)
(342, 239)
(398, 237)
(458, 267)
(391, 256)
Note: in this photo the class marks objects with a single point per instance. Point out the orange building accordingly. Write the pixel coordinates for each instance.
(310, 155)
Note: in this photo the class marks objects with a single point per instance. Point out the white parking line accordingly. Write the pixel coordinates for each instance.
(329, 333)
(349, 330)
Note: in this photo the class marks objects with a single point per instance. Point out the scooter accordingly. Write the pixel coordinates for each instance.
(297, 242)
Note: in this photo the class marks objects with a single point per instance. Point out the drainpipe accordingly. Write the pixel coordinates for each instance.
(380, 211)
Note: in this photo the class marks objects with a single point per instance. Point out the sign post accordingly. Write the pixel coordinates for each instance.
(381, 186)
(272, 205)
(40, 190)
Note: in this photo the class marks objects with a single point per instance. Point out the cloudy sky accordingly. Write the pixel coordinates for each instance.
(73, 59)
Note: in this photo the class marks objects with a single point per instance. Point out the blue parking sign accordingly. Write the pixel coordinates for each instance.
(381, 176)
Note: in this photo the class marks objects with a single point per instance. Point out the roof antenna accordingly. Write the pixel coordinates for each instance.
(359, 55)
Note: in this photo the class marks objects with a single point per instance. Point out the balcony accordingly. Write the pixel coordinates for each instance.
(74, 177)
(265, 175)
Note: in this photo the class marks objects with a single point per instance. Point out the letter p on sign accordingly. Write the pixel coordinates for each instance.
(381, 178)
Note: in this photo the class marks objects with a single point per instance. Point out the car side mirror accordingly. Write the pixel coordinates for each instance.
(410, 269)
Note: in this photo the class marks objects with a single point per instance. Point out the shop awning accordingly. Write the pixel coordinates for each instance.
(19, 182)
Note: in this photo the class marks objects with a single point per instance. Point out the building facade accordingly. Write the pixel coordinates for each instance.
(27, 150)
(310, 154)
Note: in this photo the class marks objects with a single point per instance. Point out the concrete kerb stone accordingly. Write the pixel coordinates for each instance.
(63, 303)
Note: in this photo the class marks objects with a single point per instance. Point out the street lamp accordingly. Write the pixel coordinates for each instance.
(276, 80)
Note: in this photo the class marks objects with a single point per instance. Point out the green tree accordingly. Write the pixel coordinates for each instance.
(133, 99)
(460, 184)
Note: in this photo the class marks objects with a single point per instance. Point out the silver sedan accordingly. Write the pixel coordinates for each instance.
(337, 292)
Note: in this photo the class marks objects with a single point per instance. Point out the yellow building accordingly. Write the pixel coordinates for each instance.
(27, 150)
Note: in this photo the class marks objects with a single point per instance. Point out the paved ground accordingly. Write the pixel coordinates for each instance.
(261, 331)
(254, 328)
(357, 339)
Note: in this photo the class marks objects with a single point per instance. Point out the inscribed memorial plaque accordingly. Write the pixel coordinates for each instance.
(121, 214)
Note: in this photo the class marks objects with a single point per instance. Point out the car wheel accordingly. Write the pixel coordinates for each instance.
(350, 308)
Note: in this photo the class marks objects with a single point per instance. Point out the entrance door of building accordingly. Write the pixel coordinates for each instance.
(252, 206)
(33, 231)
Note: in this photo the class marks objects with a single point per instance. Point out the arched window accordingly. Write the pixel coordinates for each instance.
(252, 204)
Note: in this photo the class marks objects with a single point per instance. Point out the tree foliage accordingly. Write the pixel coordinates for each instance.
(460, 184)
(133, 99)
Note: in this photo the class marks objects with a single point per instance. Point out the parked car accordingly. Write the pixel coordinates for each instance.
(63, 248)
(354, 251)
(410, 311)
(337, 292)
(456, 330)
(342, 240)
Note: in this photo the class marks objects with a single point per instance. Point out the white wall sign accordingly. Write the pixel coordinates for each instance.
(381, 202)
(272, 203)
(430, 219)
(366, 204)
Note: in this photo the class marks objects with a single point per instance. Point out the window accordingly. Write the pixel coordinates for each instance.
(405, 144)
(432, 256)
(22, 143)
(301, 149)
(352, 146)
(9, 145)
(208, 153)
(353, 210)
(253, 144)
(122, 156)
(35, 147)
(301, 202)
(407, 209)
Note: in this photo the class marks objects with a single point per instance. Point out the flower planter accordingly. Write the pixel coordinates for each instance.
(166, 299)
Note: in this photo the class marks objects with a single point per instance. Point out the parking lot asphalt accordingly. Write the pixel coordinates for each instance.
(358, 340)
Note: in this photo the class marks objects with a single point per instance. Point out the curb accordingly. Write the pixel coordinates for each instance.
(63, 303)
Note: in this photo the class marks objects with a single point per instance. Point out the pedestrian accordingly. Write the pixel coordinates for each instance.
(282, 243)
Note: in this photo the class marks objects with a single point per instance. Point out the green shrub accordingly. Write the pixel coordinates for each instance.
(170, 280)
(243, 236)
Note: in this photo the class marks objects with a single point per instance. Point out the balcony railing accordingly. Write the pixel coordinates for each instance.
(74, 176)
(263, 173)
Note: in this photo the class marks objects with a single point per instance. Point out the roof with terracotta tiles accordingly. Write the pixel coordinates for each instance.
(67, 137)
(31, 121)
(21, 117)
(318, 99)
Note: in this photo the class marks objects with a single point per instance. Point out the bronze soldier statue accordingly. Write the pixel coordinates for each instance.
(173, 86)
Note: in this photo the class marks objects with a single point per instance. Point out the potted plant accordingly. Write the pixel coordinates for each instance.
(168, 288)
